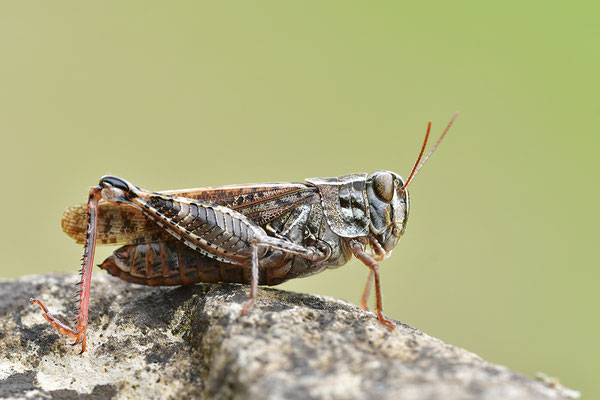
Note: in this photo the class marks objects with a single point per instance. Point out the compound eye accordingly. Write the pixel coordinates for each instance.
(383, 186)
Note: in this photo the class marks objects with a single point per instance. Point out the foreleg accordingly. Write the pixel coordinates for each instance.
(358, 249)
(366, 292)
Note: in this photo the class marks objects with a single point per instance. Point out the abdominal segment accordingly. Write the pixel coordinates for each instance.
(171, 263)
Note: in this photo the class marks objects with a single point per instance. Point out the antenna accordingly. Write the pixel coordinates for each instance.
(418, 166)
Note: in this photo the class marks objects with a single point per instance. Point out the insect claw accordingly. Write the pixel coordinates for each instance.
(248, 305)
(385, 321)
(83, 345)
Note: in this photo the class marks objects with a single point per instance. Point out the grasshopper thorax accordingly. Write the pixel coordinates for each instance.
(388, 207)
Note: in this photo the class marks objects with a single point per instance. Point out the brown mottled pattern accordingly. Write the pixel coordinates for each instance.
(117, 223)
(268, 210)
(123, 224)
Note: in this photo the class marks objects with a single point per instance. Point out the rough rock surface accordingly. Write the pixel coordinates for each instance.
(191, 342)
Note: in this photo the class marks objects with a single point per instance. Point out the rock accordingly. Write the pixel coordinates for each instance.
(191, 342)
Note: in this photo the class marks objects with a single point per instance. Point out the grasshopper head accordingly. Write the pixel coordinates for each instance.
(388, 199)
(388, 207)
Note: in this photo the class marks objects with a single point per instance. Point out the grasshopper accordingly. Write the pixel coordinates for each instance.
(261, 234)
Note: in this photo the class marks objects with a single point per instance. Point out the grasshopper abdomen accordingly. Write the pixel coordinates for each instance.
(170, 263)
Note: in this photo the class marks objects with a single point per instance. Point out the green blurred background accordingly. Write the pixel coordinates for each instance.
(499, 255)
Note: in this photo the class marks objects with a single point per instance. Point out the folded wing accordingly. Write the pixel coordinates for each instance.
(125, 224)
